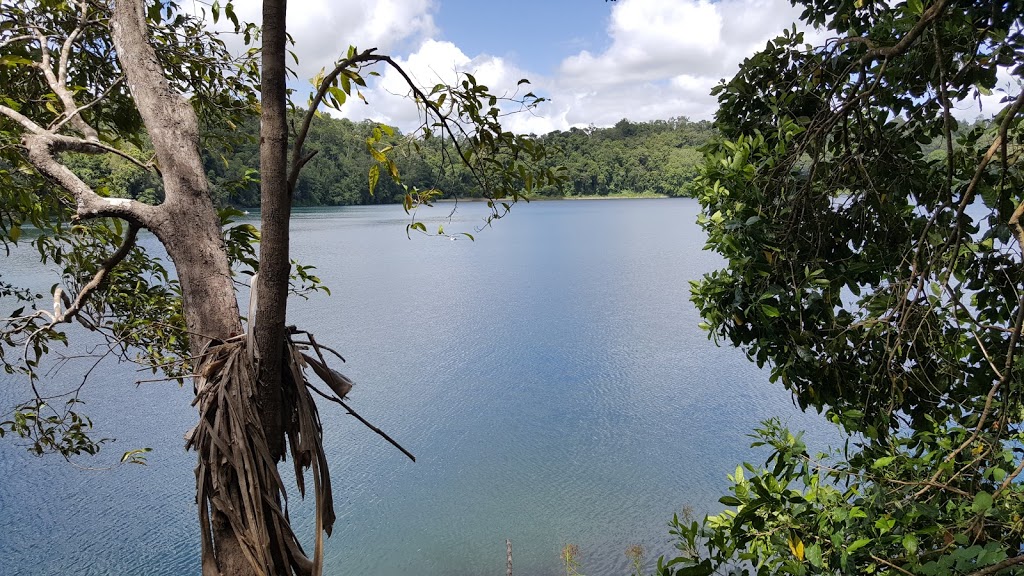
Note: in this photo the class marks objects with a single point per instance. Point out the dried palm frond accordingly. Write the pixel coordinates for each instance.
(237, 477)
(237, 481)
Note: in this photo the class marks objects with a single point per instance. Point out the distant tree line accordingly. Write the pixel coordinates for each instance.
(657, 158)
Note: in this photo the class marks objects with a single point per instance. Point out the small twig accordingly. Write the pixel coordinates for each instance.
(891, 565)
(69, 115)
(166, 379)
(1010, 478)
(363, 420)
(312, 342)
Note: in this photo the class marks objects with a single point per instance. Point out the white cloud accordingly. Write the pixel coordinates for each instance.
(650, 41)
(661, 60)
(663, 57)
(324, 29)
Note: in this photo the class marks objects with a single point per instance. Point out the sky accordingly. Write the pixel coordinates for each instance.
(596, 62)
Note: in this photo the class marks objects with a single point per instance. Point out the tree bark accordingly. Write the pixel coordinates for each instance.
(186, 223)
(275, 212)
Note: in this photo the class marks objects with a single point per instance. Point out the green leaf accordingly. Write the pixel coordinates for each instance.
(229, 11)
(12, 60)
(910, 543)
(857, 545)
(137, 456)
(705, 568)
(338, 94)
(982, 502)
(882, 462)
(374, 176)
(813, 554)
(885, 524)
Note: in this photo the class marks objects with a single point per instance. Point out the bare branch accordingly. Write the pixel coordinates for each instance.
(927, 17)
(20, 118)
(58, 85)
(41, 148)
(101, 276)
(87, 291)
(364, 421)
(68, 116)
(13, 39)
(999, 566)
(1010, 478)
(891, 565)
(65, 49)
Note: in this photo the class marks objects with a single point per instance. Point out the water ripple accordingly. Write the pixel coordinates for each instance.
(549, 377)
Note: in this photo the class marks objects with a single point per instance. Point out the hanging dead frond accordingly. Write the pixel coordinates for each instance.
(237, 477)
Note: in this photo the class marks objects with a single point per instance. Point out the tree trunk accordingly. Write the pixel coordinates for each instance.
(186, 223)
(275, 211)
(191, 235)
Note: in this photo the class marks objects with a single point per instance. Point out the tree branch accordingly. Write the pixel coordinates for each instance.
(55, 81)
(169, 118)
(999, 566)
(71, 115)
(318, 98)
(13, 39)
(891, 565)
(927, 17)
(364, 57)
(97, 281)
(41, 148)
(99, 278)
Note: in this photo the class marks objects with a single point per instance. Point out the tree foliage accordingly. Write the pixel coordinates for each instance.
(660, 157)
(878, 282)
(64, 87)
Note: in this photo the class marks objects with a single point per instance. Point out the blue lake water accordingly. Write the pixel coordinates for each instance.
(550, 378)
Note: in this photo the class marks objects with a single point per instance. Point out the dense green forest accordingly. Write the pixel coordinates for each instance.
(630, 158)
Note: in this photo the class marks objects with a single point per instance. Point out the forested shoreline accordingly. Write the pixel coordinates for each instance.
(656, 158)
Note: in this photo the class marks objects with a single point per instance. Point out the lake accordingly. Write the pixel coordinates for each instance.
(550, 377)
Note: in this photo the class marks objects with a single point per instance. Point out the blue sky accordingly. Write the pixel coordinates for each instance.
(531, 33)
(596, 61)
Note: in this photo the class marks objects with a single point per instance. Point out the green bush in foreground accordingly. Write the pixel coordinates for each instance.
(880, 283)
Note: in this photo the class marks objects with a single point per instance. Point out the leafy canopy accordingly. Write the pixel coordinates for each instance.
(873, 248)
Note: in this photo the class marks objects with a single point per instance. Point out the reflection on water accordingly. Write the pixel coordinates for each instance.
(549, 377)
